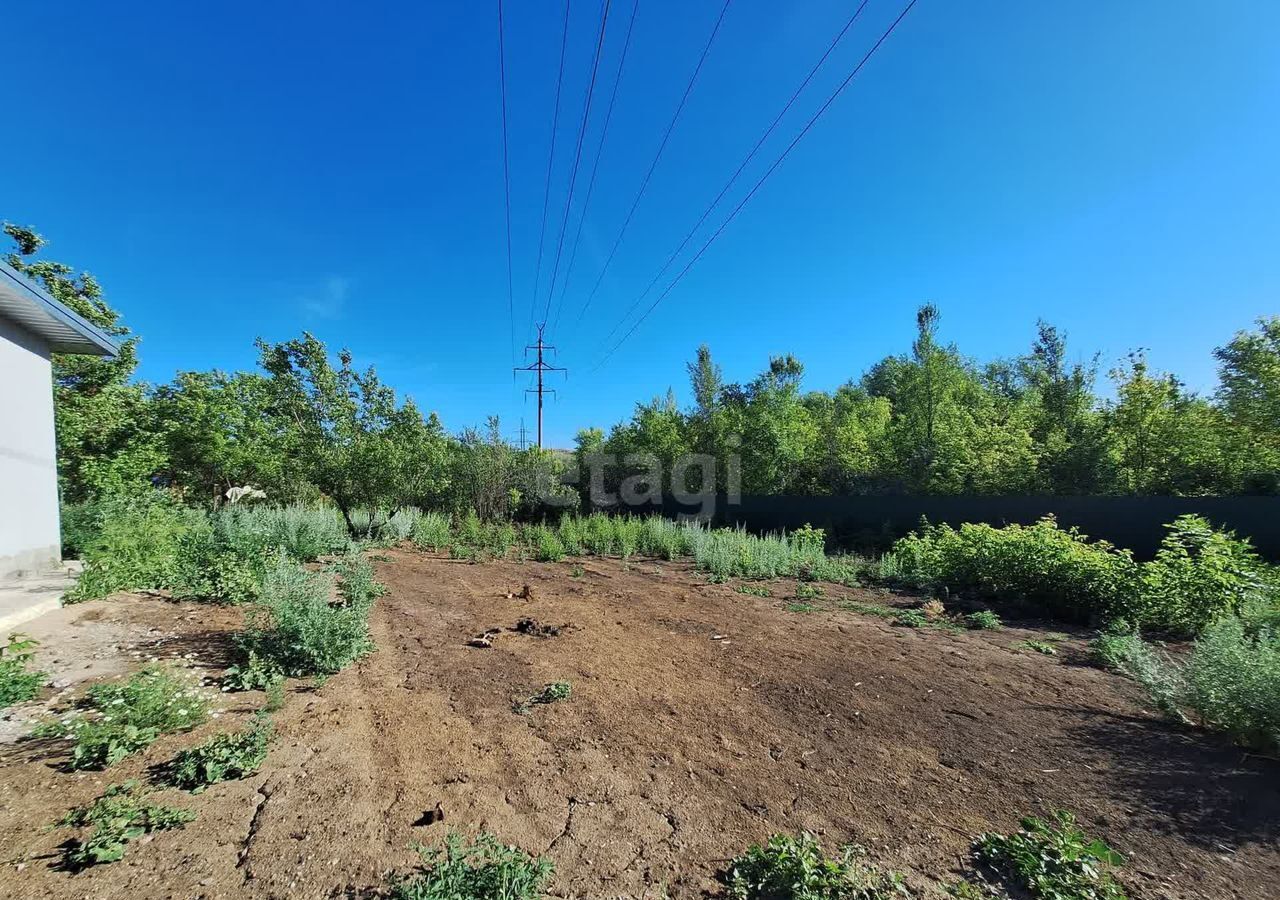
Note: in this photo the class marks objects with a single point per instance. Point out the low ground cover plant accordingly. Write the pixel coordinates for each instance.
(1052, 860)
(18, 681)
(796, 868)
(222, 758)
(983, 620)
(120, 815)
(550, 693)
(482, 869)
(120, 718)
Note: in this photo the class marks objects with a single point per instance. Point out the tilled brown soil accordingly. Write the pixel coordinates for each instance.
(701, 720)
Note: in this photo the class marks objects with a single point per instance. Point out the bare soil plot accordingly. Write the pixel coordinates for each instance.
(700, 721)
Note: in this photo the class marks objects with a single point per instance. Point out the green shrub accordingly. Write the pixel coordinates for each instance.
(1052, 860)
(222, 758)
(296, 628)
(808, 539)
(17, 682)
(1198, 575)
(910, 618)
(356, 583)
(126, 716)
(80, 523)
(303, 532)
(1233, 682)
(117, 817)
(207, 567)
(662, 538)
(1229, 681)
(134, 547)
(838, 569)
(545, 543)
(754, 590)
(796, 868)
(484, 869)
(983, 620)
(431, 531)
(1058, 572)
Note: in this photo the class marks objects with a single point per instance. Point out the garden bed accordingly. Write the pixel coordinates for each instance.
(698, 720)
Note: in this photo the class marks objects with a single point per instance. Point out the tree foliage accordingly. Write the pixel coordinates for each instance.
(310, 425)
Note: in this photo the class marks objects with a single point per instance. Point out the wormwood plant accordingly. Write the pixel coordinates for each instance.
(223, 758)
(124, 717)
(431, 531)
(356, 583)
(295, 628)
(120, 815)
(754, 591)
(484, 869)
(1052, 860)
(550, 693)
(17, 682)
(796, 868)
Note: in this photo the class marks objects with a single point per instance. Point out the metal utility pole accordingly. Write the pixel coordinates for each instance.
(540, 367)
(523, 436)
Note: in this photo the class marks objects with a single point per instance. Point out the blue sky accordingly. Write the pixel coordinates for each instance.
(238, 170)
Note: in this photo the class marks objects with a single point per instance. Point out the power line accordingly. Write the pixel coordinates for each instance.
(732, 215)
(577, 157)
(662, 146)
(595, 166)
(551, 157)
(506, 176)
(745, 162)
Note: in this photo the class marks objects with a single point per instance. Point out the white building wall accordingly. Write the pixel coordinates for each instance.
(29, 534)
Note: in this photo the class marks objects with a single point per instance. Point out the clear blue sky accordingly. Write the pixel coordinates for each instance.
(239, 169)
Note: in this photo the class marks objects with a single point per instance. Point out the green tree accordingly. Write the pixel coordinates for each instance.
(108, 444)
(347, 434)
(220, 432)
(1065, 423)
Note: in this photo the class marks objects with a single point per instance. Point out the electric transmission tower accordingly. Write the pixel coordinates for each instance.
(540, 367)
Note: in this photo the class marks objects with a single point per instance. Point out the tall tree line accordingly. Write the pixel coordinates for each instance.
(309, 424)
(935, 421)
